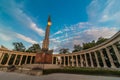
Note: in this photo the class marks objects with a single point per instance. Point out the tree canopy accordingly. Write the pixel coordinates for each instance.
(18, 46)
(89, 44)
(35, 48)
(64, 51)
(77, 48)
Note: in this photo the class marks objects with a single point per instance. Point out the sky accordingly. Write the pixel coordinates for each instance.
(73, 21)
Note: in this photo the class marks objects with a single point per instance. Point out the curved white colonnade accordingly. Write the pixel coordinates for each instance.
(8, 57)
(105, 55)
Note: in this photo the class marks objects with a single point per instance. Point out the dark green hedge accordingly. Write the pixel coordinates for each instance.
(88, 71)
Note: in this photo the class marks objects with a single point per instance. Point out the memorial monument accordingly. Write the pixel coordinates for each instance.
(43, 59)
(45, 56)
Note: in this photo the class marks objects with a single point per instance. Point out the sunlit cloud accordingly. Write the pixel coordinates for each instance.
(16, 12)
(5, 37)
(13, 36)
(104, 12)
(27, 39)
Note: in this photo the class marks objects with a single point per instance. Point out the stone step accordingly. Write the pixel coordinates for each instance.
(41, 66)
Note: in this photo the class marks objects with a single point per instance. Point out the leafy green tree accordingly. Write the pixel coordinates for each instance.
(18, 46)
(64, 51)
(35, 48)
(101, 40)
(77, 48)
(89, 45)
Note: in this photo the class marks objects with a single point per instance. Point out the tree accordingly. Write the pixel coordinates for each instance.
(101, 40)
(77, 48)
(34, 48)
(64, 51)
(18, 46)
(89, 45)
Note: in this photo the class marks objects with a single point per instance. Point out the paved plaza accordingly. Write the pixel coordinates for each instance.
(58, 76)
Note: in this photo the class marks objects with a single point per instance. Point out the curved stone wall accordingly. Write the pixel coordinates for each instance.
(105, 55)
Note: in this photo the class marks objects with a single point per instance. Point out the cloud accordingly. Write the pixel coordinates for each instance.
(15, 11)
(38, 30)
(8, 35)
(5, 37)
(84, 36)
(95, 33)
(71, 30)
(27, 39)
(104, 12)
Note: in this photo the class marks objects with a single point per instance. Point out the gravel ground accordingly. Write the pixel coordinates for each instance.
(57, 76)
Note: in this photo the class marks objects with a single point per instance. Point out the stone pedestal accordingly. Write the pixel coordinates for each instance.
(43, 58)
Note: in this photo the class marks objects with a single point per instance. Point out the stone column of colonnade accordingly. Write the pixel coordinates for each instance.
(56, 61)
(9, 56)
(81, 61)
(91, 61)
(110, 58)
(96, 57)
(26, 59)
(72, 60)
(64, 61)
(76, 60)
(103, 59)
(116, 52)
(20, 60)
(86, 62)
(15, 59)
(68, 60)
(2, 58)
(31, 59)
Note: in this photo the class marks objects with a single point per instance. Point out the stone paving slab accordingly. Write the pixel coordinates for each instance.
(57, 76)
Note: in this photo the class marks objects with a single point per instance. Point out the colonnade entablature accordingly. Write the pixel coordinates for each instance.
(105, 55)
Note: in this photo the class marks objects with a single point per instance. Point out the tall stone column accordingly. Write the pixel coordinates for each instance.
(2, 58)
(15, 59)
(45, 45)
(8, 59)
(68, 61)
(96, 57)
(81, 60)
(91, 60)
(110, 58)
(116, 52)
(20, 60)
(86, 60)
(26, 59)
(103, 59)
(76, 60)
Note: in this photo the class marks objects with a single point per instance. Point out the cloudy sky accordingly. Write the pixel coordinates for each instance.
(73, 21)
